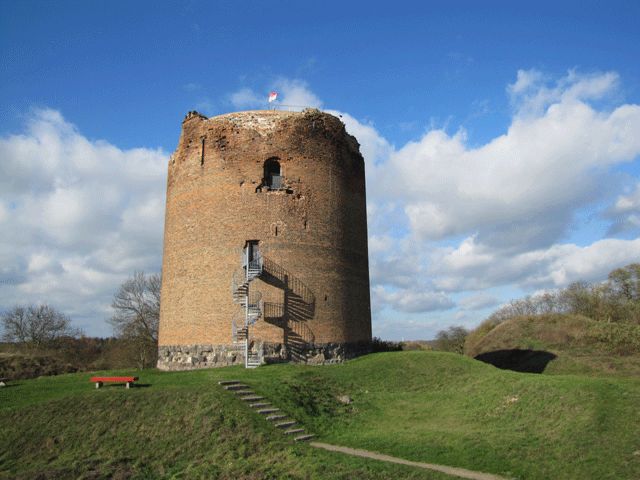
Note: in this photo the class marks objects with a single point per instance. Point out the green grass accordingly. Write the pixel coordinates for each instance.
(423, 406)
(582, 346)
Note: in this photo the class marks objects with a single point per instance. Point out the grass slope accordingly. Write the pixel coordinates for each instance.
(424, 406)
(580, 345)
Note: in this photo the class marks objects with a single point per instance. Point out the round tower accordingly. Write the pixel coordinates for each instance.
(265, 244)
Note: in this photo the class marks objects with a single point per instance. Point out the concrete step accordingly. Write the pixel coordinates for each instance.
(228, 382)
(243, 392)
(276, 417)
(287, 424)
(236, 386)
(259, 404)
(291, 431)
(264, 411)
(252, 398)
(304, 438)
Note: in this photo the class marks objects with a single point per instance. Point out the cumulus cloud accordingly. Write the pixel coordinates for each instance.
(502, 208)
(453, 225)
(521, 188)
(296, 93)
(77, 216)
(473, 266)
(246, 97)
(533, 92)
(625, 212)
(411, 301)
(374, 148)
(292, 93)
(478, 301)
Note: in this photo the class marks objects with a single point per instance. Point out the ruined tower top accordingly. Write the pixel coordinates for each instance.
(310, 121)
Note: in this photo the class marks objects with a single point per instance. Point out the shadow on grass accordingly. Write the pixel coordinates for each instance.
(527, 361)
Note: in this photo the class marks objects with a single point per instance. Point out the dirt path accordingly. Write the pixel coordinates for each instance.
(458, 472)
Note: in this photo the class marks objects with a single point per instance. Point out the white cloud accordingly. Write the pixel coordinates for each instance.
(531, 93)
(525, 80)
(408, 300)
(296, 93)
(521, 188)
(478, 301)
(245, 97)
(77, 216)
(374, 147)
(446, 220)
(504, 206)
(625, 213)
(473, 266)
(292, 94)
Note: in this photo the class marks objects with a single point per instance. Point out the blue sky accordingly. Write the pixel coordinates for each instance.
(510, 132)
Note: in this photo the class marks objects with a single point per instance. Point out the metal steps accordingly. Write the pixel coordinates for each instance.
(249, 300)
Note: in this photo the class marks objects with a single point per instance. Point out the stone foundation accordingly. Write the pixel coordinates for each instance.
(328, 353)
(189, 357)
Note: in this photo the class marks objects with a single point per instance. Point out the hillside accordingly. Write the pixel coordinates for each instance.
(18, 365)
(559, 344)
(423, 406)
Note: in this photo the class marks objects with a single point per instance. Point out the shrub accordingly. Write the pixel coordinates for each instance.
(379, 345)
(451, 340)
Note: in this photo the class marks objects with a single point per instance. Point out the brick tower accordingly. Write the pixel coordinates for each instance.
(265, 244)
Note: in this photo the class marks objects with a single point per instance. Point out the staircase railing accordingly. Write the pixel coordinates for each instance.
(299, 308)
(294, 284)
(250, 301)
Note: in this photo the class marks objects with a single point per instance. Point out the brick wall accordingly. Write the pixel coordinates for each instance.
(315, 232)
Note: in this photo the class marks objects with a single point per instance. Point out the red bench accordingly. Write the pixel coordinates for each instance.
(128, 381)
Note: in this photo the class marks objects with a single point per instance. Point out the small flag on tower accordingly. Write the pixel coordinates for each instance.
(273, 96)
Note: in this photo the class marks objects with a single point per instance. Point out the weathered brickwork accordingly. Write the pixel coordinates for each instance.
(313, 234)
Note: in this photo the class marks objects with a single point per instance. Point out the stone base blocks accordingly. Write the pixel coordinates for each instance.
(188, 357)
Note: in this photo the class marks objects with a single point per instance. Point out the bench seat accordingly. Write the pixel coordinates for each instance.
(128, 381)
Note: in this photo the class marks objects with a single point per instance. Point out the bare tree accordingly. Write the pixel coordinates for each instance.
(137, 314)
(36, 325)
(452, 339)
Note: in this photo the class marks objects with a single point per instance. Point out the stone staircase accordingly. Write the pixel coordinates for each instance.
(279, 419)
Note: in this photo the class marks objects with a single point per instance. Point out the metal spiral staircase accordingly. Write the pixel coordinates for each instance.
(251, 303)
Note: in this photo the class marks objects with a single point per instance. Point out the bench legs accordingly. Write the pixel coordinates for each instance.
(99, 384)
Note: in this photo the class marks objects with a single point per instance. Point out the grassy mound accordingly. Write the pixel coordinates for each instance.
(558, 343)
(424, 406)
(19, 365)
